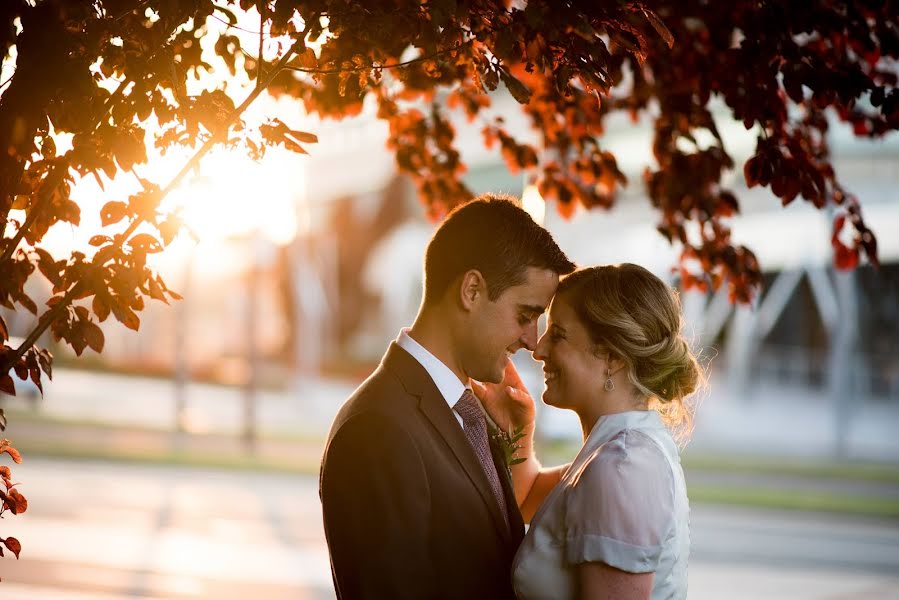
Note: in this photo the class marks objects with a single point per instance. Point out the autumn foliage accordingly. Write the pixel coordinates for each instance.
(105, 72)
(10, 498)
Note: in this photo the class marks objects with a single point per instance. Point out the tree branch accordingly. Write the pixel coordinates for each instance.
(377, 66)
(53, 180)
(43, 323)
(260, 63)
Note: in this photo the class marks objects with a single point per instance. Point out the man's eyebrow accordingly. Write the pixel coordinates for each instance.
(532, 308)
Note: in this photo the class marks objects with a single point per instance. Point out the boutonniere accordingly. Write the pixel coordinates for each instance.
(507, 441)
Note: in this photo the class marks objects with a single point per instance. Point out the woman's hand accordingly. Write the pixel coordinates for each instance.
(508, 403)
(511, 407)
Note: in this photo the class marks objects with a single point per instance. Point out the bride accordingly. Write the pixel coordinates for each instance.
(614, 523)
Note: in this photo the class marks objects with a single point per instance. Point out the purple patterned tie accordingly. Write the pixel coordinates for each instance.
(476, 432)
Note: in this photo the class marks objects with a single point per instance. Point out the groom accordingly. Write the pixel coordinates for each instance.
(417, 502)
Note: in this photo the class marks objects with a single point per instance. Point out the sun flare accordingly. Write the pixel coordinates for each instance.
(233, 196)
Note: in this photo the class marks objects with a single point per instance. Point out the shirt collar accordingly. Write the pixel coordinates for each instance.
(446, 381)
(608, 426)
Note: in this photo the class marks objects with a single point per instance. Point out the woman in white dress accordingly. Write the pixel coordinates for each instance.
(614, 523)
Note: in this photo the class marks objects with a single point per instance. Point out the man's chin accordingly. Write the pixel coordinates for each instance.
(494, 376)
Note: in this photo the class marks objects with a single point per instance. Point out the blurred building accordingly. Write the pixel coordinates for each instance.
(333, 297)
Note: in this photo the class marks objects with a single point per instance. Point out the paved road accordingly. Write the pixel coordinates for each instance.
(97, 531)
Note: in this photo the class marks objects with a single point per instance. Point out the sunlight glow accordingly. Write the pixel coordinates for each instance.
(235, 197)
(532, 202)
(228, 200)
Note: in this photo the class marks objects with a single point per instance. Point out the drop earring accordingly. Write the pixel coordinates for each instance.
(608, 386)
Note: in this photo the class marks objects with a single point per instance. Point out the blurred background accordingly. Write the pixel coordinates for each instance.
(182, 462)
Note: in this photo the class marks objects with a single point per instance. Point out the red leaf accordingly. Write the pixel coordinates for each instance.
(169, 229)
(94, 337)
(518, 90)
(13, 453)
(7, 385)
(17, 504)
(659, 26)
(126, 316)
(99, 240)
(14, 546)
(838, 223)
(844, 258)
(21, 370)
(113, 212)
(144, 242)
(35, 374)
(100, 307)
(751, 171)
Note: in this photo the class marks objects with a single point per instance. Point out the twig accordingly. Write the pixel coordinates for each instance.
(43, 323)
(260, 63)
(132, 10)
(52, 181)
(375, 65)
(8, 79)
(213, 140)
(239, 28)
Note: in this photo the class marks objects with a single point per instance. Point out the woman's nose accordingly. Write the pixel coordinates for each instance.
(540, 350)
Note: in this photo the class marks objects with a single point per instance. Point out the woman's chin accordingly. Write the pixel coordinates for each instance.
(550, 399)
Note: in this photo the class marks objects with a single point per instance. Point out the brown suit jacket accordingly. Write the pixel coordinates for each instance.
(408, 510)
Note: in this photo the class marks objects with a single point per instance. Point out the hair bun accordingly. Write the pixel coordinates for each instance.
(677, 368)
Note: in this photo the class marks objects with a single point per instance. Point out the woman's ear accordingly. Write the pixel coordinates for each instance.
(615, 363)
(472, 288)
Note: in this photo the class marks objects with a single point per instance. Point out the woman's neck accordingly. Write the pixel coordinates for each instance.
(608, 405)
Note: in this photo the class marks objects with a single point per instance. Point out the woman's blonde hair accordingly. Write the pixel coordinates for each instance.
(635, 316)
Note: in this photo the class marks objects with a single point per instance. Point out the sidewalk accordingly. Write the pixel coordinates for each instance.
(869, 489)
(61, 439)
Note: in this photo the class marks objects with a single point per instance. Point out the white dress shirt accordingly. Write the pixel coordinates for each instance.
(446, 381)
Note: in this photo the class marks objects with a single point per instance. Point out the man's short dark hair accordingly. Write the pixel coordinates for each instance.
(495, 236)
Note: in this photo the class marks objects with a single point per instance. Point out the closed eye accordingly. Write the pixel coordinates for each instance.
(528, 316)
(524, 319)
(556, 333)
(528, 313)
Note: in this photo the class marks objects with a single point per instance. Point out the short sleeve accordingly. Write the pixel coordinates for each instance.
(620, 505)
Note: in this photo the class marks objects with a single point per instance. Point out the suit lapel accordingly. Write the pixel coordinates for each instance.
(417, 382)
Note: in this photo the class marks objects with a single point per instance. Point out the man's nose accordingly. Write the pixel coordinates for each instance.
(529, 337)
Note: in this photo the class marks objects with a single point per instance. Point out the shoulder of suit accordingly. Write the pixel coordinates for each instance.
(381, 396)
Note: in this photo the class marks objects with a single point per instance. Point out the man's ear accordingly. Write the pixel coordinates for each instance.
(472, 288)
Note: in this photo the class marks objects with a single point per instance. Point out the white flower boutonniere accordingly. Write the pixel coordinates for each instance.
(507, 441)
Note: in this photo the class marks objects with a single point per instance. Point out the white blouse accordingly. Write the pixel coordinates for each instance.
(623, 502)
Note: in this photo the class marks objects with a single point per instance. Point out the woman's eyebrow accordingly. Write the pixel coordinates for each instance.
(558, 327)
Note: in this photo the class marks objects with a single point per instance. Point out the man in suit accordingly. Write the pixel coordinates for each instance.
(417, 502)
